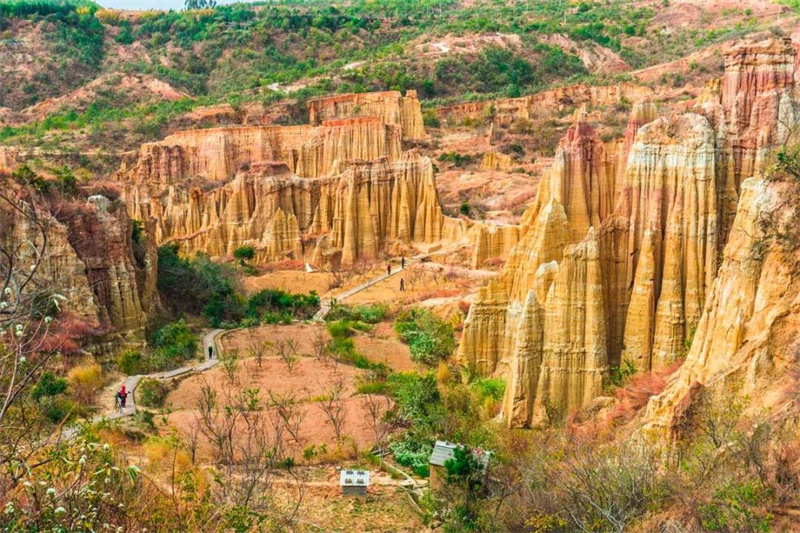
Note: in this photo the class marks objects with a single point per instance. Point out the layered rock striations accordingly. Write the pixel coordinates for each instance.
(746, 338)
(89, 258)
(506, 110)
(339, 189)
(390, 107)
(633, 230)
(217, 154)
(364, 210)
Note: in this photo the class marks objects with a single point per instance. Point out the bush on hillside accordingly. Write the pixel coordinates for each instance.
(429, 338)
(84, 382)
(152, 392)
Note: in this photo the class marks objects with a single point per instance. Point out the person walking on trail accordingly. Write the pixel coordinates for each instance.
(403, 262)
(118, 401)
(388, 269)
(402, 285)
(123, 395)
(210, 352)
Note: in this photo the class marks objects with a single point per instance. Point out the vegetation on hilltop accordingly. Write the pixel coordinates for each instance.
(239, 53)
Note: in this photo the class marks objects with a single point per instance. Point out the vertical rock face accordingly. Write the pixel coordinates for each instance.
(574, 357)
(746, 336)
(492, 242)
(365, 209)
(506, 110)
(100, 234)
(390, 107)
(758, 113)
(217, 154)
(670, 191)
(341, 184)
(89, 259)
(496, 161)
(647, 218)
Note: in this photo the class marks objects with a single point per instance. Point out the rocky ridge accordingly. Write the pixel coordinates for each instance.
(334, 192)
(624, 241)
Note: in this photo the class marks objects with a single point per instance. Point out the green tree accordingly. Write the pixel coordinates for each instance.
(244, 253)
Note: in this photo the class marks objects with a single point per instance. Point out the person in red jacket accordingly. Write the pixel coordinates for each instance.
(123, 395)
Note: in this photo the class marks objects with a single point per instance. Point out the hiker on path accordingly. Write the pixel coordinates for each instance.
(123, 395)
(388, 269)
(403, 262)
(210, 352)
(402, 285)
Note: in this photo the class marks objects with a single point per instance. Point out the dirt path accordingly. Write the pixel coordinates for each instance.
(210, 351)
(326, 303)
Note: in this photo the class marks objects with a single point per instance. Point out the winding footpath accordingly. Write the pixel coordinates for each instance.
(325, 304)
(210, 352)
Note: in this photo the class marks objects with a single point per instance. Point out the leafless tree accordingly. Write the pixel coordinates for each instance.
(414, 275)
(191, 438)
(258, 350)
(319, 345)
(287, 351)
(230, 363)
(289, 411)
(334, 408)
(31, 331)
(374, 407)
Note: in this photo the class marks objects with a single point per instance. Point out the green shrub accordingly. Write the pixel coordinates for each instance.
(429, 338)
(175, 342)
(493, 388)
(130, 362)
(372, 387)
(430, 118)
(283, 304)
(49, 386)
(244, 253)
(152, 392)
(370, 314)
(413, 454)
(199, 286)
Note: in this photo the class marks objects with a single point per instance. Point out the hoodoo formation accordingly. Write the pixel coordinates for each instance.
(327, 193)
(629, 284)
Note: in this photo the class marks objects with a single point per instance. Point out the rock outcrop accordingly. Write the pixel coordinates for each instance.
(339, 189)
(390, 107)
(364, 210)
(507, 110)
(746, 339)
(217, 154)
(496, 161)
(89, 258)
(647, 216)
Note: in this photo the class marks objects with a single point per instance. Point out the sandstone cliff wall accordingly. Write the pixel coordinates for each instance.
(89, 259)
(390, 107)
(217, 154)
(651, 214)
(366, 209)
(746, 342)
(506, 110)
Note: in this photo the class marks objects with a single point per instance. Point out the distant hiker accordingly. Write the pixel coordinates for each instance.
(402, 285)
(118, 401)
(403, 262)
(388, 269)
(210, 352)
(122, 395)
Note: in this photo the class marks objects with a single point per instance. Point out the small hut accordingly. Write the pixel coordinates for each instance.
(442, 452)
(354, 482)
